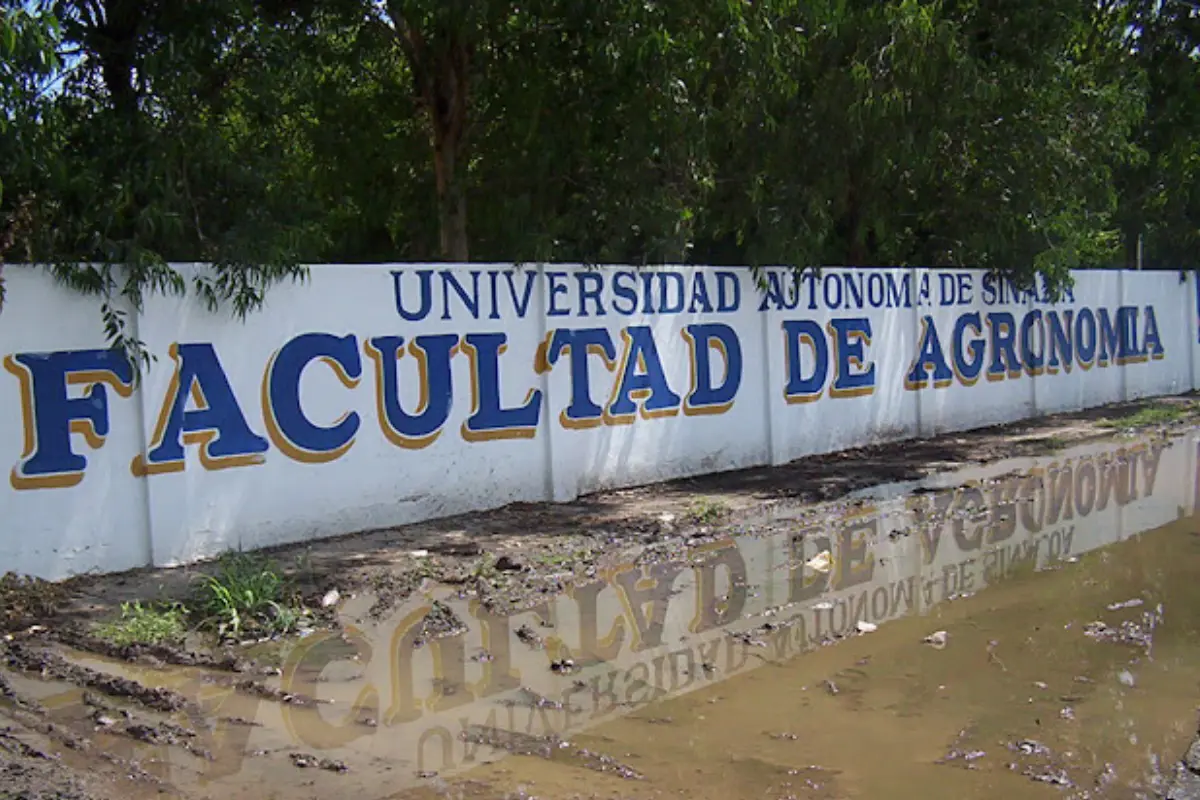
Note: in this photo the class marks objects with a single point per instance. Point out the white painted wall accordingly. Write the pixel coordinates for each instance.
(111, 519)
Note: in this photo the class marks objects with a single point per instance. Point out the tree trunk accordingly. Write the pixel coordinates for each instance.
(439, 60)
(1132, 231)
(114, 39)
(851, 226)
(856, 255)
(449, 170)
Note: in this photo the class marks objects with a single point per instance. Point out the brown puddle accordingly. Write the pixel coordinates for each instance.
(1059, 603)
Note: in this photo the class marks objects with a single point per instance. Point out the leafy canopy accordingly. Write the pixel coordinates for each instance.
(1024, 136)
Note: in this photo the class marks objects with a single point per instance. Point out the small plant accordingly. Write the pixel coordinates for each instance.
(247, 595)
(554, 559)
(152, 623)
(485, 568)
(304, 564)
(425, 569)
(564, 558)
(1053, 444)
(1145, 418)
(706, 510)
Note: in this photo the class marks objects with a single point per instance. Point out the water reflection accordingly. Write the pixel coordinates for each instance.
(396, 702)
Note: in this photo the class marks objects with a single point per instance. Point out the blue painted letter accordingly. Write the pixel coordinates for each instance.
(50, 415)
(287, 425)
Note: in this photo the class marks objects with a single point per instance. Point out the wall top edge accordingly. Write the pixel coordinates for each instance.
(483, 265)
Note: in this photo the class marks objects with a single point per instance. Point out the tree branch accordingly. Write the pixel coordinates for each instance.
(412, 43)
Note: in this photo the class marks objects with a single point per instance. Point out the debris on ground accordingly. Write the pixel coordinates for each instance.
(1135, 633)
(1030, 747)
(1056, 777)
(257, 689)
(821, 562)
(549, 747)
(564, 667)
(305, 761)
(529, 636)
(25, 600)
(937, 639)
(967, 757)
(440, 622)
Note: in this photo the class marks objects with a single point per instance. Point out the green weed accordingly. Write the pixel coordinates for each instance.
(554, 559)
(1145, 417)
(706, 510)
(153, 623)
(304, 565)
(247, 595)
(485, 568)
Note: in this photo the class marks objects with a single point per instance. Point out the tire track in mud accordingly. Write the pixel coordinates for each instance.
(42, 662)
(40, 758)
(32, 741)
(49, 665)
(155, 654)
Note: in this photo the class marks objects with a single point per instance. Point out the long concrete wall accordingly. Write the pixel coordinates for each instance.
(372, 396)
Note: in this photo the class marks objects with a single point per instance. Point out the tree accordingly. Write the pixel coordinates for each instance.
(1026, 136)
(540, 108)
(440, 41)
(156, 95)
(1159, 193)
(934, 133)
(27, 60)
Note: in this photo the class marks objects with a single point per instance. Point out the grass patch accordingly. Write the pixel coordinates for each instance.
(706, 510)
(247, 595)
(152, 623)
(485, 568)
(1145, 417)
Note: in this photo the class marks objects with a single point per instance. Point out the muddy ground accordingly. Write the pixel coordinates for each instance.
(511, 558)
(516, 554)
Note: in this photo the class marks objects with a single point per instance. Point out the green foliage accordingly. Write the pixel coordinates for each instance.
(145, 624)
(247, 595)
(707, 510)
(1147, 417)
(152, 145)
(27, 60)
(1027, 137)
(1159, 190)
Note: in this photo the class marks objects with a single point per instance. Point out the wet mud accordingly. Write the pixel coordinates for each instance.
(1019, 702)
(1019, 629)
(153, 655)
(46, 664)
(516, 556)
